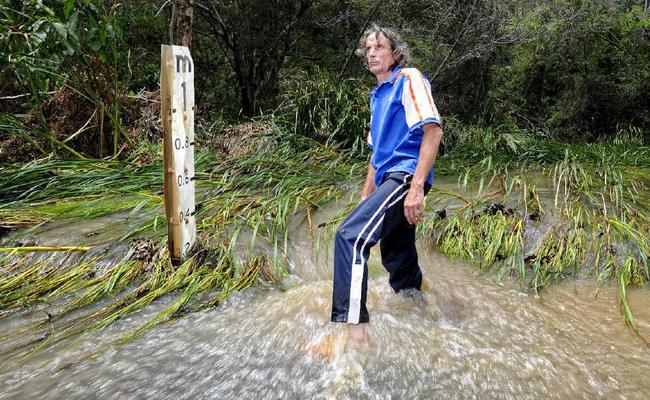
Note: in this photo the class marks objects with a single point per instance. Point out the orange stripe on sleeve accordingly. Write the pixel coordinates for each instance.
(415, 103)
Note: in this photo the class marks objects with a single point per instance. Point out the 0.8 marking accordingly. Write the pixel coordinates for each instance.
(179, 145)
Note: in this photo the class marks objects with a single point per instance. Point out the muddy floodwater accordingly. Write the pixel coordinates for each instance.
(470, 337)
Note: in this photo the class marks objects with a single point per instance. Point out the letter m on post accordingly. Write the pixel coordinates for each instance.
(183, 62)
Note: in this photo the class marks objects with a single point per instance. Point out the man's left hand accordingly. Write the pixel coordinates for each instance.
(414, 205)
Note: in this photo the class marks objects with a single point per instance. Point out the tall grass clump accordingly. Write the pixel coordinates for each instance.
(326, 108)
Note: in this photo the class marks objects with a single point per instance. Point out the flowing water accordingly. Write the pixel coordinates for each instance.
(468, 337)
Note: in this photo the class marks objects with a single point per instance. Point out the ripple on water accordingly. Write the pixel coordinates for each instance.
(464, 338)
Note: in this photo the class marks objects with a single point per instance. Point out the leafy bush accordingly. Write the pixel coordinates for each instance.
(30, 47)
(38, 39)
(322, 107)
(484, 139)
(580, 68)
(76, 42)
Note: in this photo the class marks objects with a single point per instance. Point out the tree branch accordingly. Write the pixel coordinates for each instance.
(351, 53)
(453, 46)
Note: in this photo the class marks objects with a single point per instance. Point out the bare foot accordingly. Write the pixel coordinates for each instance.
(326, 344)
(334, 344)
(357, 337)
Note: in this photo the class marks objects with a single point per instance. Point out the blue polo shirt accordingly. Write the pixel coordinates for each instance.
(399, 107)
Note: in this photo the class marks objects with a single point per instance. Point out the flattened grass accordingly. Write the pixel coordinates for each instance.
(592, 201)
(259, 192)
(594, 217)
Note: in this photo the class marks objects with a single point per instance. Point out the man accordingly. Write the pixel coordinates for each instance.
(404, 138)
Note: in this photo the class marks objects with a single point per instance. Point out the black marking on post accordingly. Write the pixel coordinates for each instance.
(185, 62)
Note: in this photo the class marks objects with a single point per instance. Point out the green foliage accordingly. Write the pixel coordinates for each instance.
(478, 140)
(256, 36)
(578, 69)
(573, 69)
(38, 38)
(218, 94)
(27, 42)
(72, 42)
(143, 31)
(322, 107)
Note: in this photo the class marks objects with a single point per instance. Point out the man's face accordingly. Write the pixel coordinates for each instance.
(379, 55)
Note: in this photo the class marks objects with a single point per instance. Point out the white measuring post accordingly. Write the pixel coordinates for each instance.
(177, 99)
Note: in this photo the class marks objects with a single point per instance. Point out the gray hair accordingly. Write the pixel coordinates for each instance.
(400, 49)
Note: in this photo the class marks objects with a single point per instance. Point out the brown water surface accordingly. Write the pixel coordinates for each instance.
(471, 338)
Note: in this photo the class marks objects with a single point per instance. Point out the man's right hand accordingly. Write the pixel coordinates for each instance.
(369, 186)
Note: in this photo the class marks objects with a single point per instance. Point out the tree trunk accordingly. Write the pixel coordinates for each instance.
(247, 101)
(181, 23)
(256, 62)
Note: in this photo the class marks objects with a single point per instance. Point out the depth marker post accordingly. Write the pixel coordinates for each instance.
(177, 114)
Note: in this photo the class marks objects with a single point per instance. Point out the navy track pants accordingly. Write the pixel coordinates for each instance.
(380, 216)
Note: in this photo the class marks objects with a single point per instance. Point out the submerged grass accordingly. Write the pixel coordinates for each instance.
(539, 210)
(590, 218)
(258, 193)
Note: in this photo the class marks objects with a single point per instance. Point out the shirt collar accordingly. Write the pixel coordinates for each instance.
(393, 76)
(390, 79)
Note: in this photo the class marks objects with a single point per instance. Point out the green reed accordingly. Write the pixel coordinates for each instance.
(595, 198)
(259, 193)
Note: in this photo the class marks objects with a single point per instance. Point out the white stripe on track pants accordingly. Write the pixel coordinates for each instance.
(380, 216)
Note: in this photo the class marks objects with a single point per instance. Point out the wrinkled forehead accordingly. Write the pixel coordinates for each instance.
(376, 37)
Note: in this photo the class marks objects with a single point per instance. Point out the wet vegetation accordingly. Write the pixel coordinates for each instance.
(548, 146)
(543, 219)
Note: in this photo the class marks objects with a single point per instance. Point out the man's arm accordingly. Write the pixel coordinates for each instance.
(414, 202)
(369, 187)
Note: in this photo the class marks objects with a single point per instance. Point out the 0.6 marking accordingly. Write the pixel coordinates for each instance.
(183, 180)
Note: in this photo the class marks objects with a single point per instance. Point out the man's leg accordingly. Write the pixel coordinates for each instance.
(398, 252)
(354, 238)
(399, 255)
